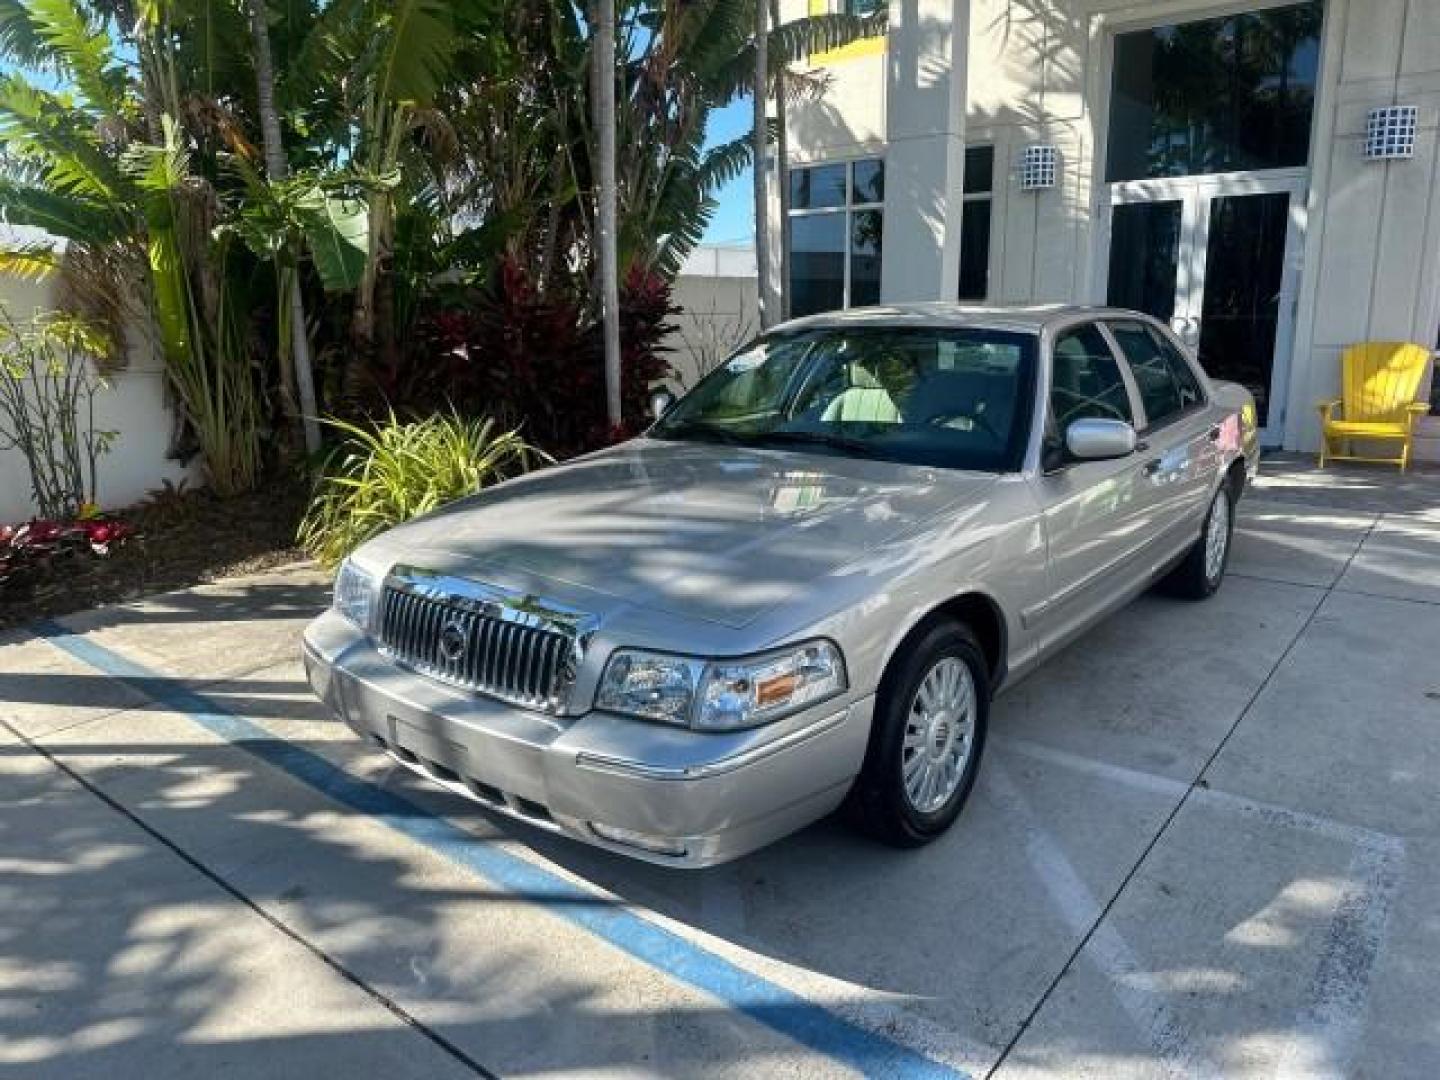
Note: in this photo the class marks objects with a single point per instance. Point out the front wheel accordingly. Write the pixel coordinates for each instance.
(926, 738)
(1203, 568)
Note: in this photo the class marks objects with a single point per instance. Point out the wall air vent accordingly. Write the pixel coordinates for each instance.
(1039, 167)
(1390, 132)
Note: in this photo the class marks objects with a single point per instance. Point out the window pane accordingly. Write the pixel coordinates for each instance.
(1217, 95)
(1167, 385)
(1144, 257)
(861, 7)
(817, 263)
(869, 181)
(823, 185)
(1244, 269)
(975, 250)
(1086, 381)
(979, 169)
(865, 236)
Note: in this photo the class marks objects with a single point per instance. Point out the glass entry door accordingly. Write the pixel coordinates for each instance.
(1215, 257)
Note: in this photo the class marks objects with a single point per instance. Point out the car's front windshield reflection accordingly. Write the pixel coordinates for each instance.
(956, 398)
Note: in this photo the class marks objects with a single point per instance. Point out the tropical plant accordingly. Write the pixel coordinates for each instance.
(395, 471)
(48, 388)
(514, 351)
(108, 168)
(28, 550)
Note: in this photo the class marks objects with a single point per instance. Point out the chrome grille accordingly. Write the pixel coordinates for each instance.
(515, 648)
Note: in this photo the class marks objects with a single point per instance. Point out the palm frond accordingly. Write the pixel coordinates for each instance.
(33, 261)
(794, 42)
(40, 126)
(418, 40)
(61, 214)
(20, 40)
(82, 49)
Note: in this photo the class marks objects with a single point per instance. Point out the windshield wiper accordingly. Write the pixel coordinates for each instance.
(818, 438)
(699, 429)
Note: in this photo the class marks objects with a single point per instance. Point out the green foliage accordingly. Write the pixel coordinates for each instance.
(395, 471)
(424, 144)
(47, 408)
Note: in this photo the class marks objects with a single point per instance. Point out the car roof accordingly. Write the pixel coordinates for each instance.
(1018, 318)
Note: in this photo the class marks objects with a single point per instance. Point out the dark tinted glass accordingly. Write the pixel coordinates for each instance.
(975, 250)
(1085, 382)
(869, 179)
(823, 185)
(1144, 255)
(1240, 314)
(979, 169)
(957, 399)
(865, 236)
(817, 263)
(1218, 95)
(1167, 385)
(861, 7)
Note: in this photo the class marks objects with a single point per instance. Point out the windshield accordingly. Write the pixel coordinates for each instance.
(958, 398)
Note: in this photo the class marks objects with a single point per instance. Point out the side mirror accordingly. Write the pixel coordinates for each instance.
(1096, 440)
(661, 402)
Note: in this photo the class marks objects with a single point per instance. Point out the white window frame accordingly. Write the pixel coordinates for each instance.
(848, 208)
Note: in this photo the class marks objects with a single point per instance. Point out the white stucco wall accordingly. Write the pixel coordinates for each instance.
(134, 406)
(717, 292)
(1038, 71)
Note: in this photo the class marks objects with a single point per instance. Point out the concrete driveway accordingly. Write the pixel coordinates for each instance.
(1205, 842)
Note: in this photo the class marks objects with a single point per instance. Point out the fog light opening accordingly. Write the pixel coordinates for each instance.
(656, 845)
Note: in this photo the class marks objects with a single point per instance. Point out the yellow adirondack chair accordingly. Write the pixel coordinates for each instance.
(1380, 382)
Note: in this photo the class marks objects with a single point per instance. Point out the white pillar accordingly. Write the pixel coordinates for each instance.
(925, 148)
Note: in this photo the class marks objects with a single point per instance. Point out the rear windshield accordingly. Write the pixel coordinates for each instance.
(954, 398)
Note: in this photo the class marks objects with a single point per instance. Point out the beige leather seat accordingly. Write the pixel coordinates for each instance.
(865, 401)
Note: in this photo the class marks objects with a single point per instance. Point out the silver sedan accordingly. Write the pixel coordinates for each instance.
(802, 587)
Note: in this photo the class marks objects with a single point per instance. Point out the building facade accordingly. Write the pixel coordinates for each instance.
(1263, 175)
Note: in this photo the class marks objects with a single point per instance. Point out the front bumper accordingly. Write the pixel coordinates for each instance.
(689, 799)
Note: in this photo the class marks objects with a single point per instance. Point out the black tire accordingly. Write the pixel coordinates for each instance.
(878, 802)
(1194, 578)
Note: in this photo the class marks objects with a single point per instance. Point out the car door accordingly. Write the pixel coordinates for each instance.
(1094, 512)
(1177, 431)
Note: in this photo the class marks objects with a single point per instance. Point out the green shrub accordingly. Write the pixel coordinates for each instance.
(397, 471)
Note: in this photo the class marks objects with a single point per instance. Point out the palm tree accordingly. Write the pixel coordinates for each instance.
(110, 171)
(606, 196)
(296, 376)
(760, 95)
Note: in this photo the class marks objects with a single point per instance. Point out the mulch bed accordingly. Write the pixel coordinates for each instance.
(180, 539)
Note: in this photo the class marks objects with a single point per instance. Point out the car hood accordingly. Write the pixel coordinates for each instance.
(717, 533)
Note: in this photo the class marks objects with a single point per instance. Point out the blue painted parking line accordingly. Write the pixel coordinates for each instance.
(766, 1002)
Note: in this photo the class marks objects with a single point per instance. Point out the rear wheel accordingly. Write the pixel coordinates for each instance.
(926, 738)
(1203, 568)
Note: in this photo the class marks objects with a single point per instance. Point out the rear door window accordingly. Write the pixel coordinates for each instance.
(1168, 387)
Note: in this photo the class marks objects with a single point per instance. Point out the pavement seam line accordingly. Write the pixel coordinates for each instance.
(1165, 825)
(818, 1028)
(1195, 784)
(253, 906)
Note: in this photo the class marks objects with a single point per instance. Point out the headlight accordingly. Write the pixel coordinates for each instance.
(354, 594)
(720, 695)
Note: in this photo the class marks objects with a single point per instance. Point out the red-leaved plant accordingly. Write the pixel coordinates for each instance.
(41, 542)
(535, 360)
